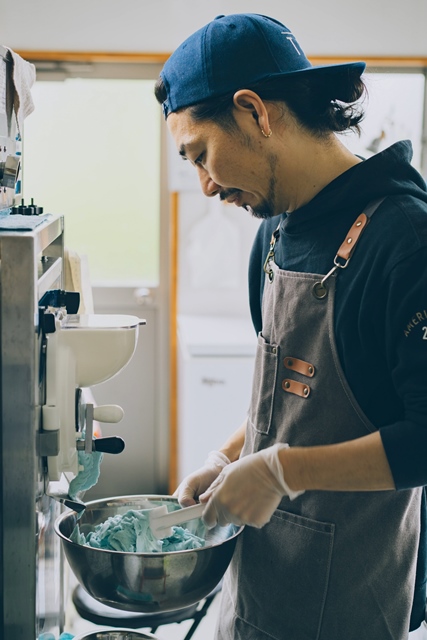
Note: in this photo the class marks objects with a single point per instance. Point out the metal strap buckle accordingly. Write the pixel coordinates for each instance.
(267, 268)
(270, 255)
(320, 288)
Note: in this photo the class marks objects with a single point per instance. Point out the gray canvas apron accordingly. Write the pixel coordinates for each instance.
(329, 565)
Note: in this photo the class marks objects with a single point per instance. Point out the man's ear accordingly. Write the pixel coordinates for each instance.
(247, 101)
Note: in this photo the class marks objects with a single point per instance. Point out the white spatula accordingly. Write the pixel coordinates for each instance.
(162, 520)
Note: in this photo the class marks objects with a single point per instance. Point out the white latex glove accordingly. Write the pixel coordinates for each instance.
(248, 491)
(199, 481)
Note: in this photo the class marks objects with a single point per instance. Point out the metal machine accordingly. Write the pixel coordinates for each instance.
(48, 354)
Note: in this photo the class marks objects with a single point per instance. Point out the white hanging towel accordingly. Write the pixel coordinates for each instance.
(24, 76)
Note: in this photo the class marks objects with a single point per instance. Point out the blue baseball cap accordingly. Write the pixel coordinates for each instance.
(234, 52)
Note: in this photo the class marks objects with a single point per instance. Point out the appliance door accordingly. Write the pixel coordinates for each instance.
(215, 367)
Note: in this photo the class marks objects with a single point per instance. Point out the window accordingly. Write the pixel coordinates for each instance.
(394, 111)
(92, 153)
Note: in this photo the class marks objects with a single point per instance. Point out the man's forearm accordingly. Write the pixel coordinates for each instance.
(233, 446)
(355, 465)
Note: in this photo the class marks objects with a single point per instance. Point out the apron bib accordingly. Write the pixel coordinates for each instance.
(329, 565)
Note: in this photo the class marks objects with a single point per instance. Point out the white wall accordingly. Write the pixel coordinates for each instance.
(323, 27)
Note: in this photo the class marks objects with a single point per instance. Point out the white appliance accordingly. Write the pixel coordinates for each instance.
(215, 367)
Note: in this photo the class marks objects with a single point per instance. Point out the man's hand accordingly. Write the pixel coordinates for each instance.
(247, 491)
(199, 481)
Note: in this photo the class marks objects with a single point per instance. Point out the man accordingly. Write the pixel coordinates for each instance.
(327, 471)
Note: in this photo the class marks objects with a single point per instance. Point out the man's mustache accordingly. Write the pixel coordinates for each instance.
(227, 193)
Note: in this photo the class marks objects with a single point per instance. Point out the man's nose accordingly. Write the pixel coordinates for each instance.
(209, 187)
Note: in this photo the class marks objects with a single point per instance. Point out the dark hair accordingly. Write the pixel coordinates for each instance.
(321, 103)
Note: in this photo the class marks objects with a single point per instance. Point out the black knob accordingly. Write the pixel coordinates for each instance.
(27, 210)
(37, 211)
(112, 444)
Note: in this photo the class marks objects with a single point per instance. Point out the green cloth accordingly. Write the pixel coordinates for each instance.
(88, 475)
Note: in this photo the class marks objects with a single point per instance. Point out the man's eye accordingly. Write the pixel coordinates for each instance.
(197, 161)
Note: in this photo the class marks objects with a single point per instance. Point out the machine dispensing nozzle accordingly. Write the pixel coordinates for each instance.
(85, 416)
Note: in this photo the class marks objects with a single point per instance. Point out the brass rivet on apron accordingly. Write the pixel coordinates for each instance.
(358, 224)
(305, 391)
(289, 363)
(319, 290)
(273, 350)
(287, 384)
(349, 240)
(310, 369)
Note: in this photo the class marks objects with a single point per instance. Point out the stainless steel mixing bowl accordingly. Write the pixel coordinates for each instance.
(145, 582)
(115, 634)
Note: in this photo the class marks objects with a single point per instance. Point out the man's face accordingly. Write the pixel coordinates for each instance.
(233, 165)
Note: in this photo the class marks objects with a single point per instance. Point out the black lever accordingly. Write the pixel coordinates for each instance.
(111, 444)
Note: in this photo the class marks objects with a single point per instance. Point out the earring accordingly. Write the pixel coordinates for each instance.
(266, 135)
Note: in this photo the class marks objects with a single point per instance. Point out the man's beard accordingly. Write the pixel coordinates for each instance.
(262, 211)
(266, 208)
